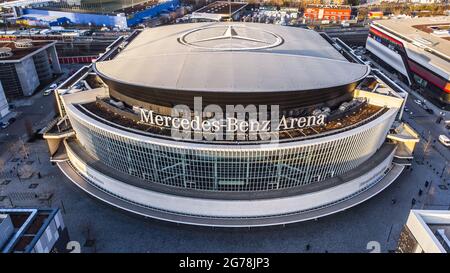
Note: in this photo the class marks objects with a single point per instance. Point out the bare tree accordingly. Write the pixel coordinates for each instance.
(28, 128)
(26, 171)
(24, 150)
(444, 173)
(426, 147)
(2, 167)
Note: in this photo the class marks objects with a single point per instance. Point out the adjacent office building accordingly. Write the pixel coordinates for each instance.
(32, 231)
(332, 13)
(426, 231)
(25, 65)
(418, 50)
(220, 11)
(4, 107)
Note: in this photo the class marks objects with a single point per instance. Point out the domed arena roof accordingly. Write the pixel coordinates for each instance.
(231, 57)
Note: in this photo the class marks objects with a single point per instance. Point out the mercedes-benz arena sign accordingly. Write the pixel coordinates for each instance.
(230, 124)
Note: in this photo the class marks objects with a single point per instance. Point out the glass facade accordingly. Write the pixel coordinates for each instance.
(230, 167)
(397, 48)
(99, 6)
(10, 81)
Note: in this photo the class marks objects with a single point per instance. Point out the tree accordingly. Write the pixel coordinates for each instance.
(25, 171)
(28, 128)
(24, 150)
(426, 146)
(2, 166)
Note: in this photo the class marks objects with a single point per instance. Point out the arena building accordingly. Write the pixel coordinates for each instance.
(229, 124)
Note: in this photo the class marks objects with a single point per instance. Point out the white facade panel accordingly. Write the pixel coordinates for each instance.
(387, 55)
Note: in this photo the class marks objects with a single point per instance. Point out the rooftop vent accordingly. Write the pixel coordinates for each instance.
(5, 52)
(23, 43)
(441, 32)
(420, 42)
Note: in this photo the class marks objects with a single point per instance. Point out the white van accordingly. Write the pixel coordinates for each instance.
(444, 140)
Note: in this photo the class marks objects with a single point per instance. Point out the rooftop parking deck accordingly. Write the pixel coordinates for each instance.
(426, 32)
(222, 7)
(20, 52)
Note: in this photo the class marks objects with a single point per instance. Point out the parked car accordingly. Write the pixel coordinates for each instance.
(53, 86)
(3, 125)
(419, 102)
(444, 140)
(48, 91)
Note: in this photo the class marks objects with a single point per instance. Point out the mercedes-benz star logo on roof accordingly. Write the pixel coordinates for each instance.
(230, 38)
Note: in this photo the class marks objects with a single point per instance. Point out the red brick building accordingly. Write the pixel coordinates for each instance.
(332, 13)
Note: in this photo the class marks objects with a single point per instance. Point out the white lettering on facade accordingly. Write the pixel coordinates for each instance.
(232, 124)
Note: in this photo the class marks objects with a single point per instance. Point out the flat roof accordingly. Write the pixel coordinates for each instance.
(19, 53)
(108, 7)
(222, 7)
(322, 6)
(441, 229)
(430, 32)
(431, 229)
(420, 28)
(231, 57)
(28, 224)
